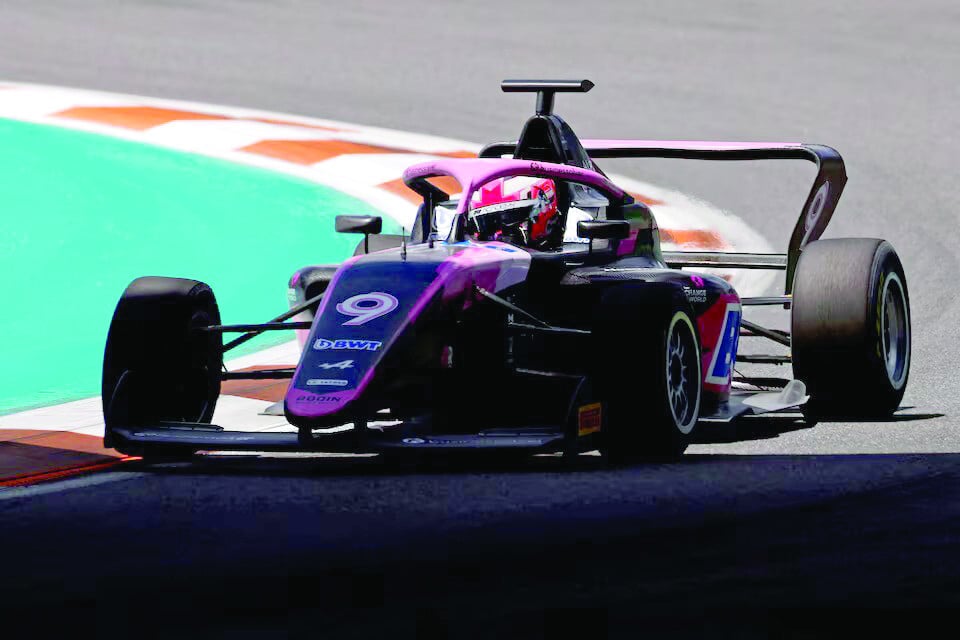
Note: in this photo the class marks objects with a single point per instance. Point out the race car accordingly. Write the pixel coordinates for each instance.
(532, 308)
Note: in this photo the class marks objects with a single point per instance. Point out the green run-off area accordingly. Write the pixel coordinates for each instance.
(83, 215)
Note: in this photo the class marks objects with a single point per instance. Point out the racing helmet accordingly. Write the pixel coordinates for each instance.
(521, 211)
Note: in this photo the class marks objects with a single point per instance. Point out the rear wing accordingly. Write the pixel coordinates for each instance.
(814, 217)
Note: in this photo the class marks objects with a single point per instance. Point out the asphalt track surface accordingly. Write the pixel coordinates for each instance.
(773, 530)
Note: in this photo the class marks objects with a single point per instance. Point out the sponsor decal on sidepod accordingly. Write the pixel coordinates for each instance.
(589, 419)
(696, 295)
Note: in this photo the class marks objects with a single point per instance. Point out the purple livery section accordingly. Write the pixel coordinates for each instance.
(372, 301)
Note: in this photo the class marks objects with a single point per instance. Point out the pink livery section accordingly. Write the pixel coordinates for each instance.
(376, 301)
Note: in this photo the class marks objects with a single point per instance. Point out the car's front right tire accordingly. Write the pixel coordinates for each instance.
(646, 371)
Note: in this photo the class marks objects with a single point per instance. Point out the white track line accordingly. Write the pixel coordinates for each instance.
(58, 486)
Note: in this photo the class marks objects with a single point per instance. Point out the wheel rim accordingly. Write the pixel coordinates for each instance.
(895, 331)
(683, 373)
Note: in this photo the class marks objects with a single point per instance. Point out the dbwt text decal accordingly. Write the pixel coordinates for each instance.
(322, 344)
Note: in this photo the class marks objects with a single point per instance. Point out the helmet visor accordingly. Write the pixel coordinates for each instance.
(491, 221)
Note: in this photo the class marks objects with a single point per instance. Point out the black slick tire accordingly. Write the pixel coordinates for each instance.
(156, 366)
(851, 328)
(646, 371)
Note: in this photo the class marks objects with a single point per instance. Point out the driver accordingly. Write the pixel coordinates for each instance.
(521, 211)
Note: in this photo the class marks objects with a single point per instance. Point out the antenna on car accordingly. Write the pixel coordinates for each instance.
(545, 90)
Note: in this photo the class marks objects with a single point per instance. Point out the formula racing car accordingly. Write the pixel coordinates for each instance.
(530, 307)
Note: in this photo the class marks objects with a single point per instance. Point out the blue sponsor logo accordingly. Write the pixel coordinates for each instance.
(725, 355)
(322, 344)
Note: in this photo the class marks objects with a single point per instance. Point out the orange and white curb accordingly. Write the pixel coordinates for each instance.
(364, 162)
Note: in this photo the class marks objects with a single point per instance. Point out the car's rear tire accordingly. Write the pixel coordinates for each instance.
(156, 366)
(851, 328)
(647, 371)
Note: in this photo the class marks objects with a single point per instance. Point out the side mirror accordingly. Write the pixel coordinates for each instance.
(603, 230)
(366, 225)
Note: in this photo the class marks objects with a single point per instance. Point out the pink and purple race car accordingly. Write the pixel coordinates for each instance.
(531, 308)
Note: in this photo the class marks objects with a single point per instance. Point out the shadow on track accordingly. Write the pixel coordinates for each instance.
(473, 462)
(353, 547)
(767, 427)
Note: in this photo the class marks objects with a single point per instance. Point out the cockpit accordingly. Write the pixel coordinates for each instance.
(528, 211)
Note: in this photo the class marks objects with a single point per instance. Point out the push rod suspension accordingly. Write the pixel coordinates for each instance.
(766, 333)
(529, 328)
(266, 326)
(263, 374)
(766, 300)
(763, 359)
(303, 306)
(512, 307)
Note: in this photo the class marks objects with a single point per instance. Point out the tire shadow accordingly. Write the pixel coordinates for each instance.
(772, 426)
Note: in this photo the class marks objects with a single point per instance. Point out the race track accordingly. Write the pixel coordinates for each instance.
(749, 533)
